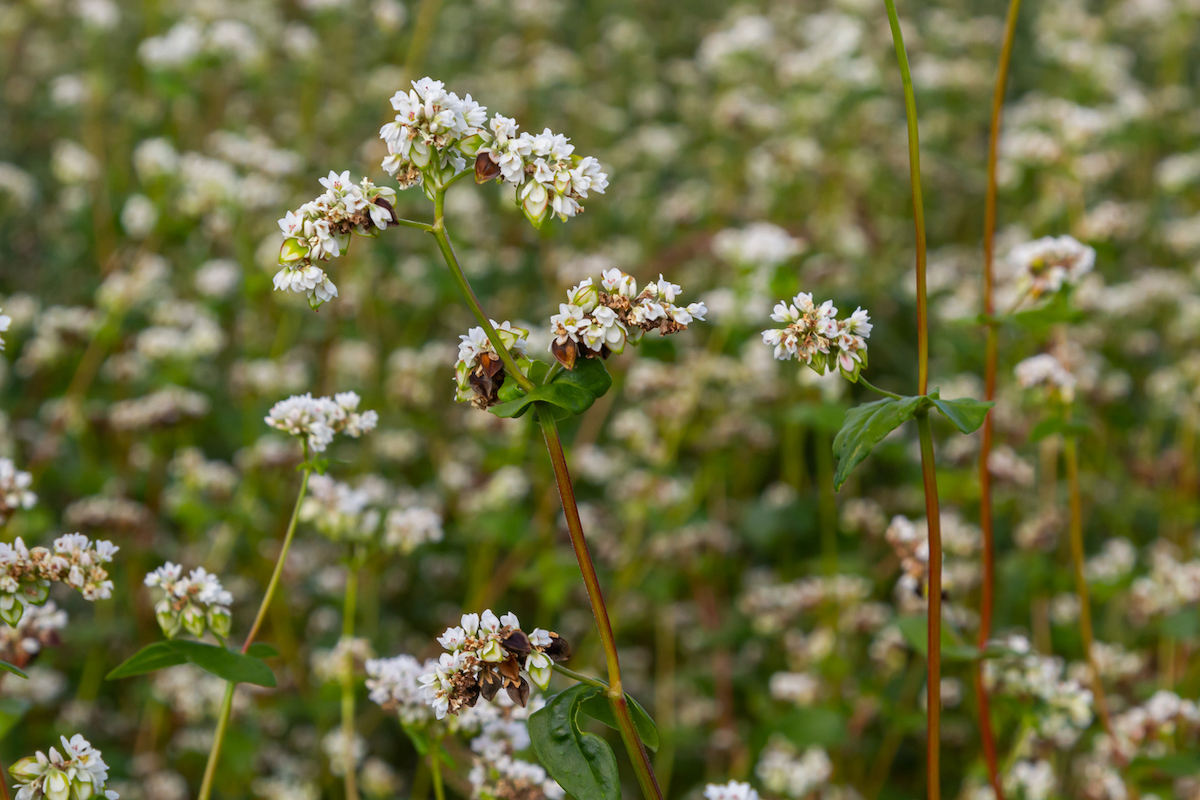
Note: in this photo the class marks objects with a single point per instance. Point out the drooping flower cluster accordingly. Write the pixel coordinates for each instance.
(78, 773)
(814, 335)
(434, 130)
(196, 603)
(1065, 706)
(479, 373)
(26, 574)
(14, 489)
(318, 420)
(486, 654)
(320, 230)
(1049, 263)
(598, 320)
(1046, 372)
(548, 176)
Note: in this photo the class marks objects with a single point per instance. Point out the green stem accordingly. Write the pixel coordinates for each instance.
(227, 707)
(412, 223)
(443, 240)
(580, 678)
(991, 364)
(934, 679)
(877, 390)
(214, 755)
(616, 695)
(435, 769)
(348, 733)
(914, 169)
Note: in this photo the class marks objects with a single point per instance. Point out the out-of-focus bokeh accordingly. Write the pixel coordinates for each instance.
(754, 150)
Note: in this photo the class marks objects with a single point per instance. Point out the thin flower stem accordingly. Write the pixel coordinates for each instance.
(214, 755)
(435, 769)
(412, 223)
(934, 680)
(914, 168)
(443, 240)
(580, 678)
(348, 733)
(4, 795)
(876, 389)
(227, 706)
(1071, 456)
(991, 362)
(616, 695)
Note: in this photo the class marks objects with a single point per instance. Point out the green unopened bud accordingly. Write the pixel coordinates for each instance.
(535, 202)
(293, 251)
(633, 336)
(168, 618)
(220, 621)
(470, 145)
(27, 769)
(56, 786)
(11, 610)
(194, 621)
(492, 652)
(82, 787)
(616, 339)
(585, 295)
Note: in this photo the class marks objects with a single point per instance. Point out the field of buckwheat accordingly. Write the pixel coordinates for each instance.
(470, 400)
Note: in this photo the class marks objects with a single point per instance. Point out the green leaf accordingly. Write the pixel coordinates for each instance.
(966, 414)
(7, 667)
(226, 664)
(1058, 424)
(589, 374)
(262, 650)
(1181, 626)
(418, 737)
(600, 709)
(12, 711)
(150, 658)
(866, 426)
(582, 763)
(1057, 311)
(563, 397)
(915, 630)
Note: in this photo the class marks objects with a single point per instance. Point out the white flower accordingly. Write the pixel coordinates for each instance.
(815, 336)
(1046, 372)
(317, 420)
(733, 790)
(79, 772)
(1049, 263)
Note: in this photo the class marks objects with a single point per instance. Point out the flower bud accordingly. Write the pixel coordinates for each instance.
(168, 619)
(492, 652)
(292, 251)
(27, 769)
(194, 621)
(220, 621)
(485, 168)
(535, 202)
(585, 295)
(11, 611)
(471, 144)
(56, 785)
(82, 787)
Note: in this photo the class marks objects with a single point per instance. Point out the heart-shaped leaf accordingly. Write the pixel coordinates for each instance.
(600, 709)
(7, 667)
(866, 426)
(966, 414)
(150, 658)
(571, 392)
(589, 374)
(582, 763)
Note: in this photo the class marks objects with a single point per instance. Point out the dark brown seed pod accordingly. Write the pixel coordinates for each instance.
(565, 352)
(558, 650)
(517, 642)
(379, 201)
(511, 670)
(489, 684)
(519, 692)
(486, 169)
(472, 696)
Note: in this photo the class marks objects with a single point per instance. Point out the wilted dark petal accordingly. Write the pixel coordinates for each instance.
(489, 684)
(565, 353)
(472, 696)
(517, 642)
(510, 669)
(558, 650)
(486, 169)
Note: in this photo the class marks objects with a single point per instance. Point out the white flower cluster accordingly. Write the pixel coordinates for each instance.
(345, 660)
(1066, 706)
(506, 776)
(436, 131)
(1047, 372)
(1031, 780)
(14, 489)
(26, 575)
(406, 529)
(1171, 586)
(1152, 726)
(318, 420)
(196, 603)
(320, 230)
(485, 654)
(1049, 263)
(734, 790)
(5, 323)
(38, 628)
(395, 684)
(785, 773)
(814, 335)
(479, 373)
(77, 773)
(598, 320)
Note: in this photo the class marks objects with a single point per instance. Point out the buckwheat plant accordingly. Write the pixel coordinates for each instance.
(435, 140)
(78, 773)
(199, 604)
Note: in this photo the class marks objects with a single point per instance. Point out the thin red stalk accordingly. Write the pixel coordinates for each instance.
(934, 642)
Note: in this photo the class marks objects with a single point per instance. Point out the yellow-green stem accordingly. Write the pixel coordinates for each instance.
(934, 642)
(348, 734)
(214, 755)
(435, 769)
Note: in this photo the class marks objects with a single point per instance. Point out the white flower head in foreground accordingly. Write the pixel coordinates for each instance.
(485, 654)
(196, 603)
(1049, 263)
(317, 420)
(1046, 372)
(78, 773)
(479, 373)
(434, 131)
(26, 574)
(814, 335)
(598, 320)
(320, 230)
(14, 489)
(734, 790)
